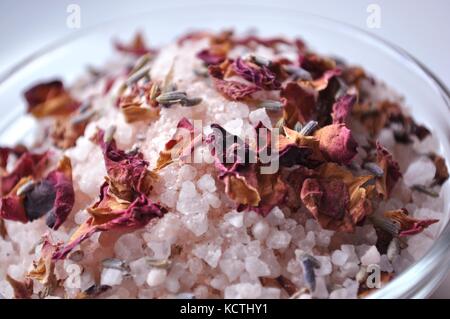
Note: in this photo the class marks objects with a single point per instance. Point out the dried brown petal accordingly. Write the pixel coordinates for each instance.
(442, 174)
(337, 143)
(391, 169)
(50, 99)
(22, 289)
(409, 225)
(299, 104)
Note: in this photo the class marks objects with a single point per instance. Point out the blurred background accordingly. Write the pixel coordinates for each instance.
(421, 27)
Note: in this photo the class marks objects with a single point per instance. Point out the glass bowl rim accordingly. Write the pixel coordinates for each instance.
(440, 246)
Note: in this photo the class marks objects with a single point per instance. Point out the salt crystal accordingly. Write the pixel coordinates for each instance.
(197, 223)
(278, 239)
(325, 266)
(139, 270)
(209, 252)
(172, 285)
(212, 200)
(156, 277)
(128, 247)
(234, 126)
(270, 293)
(207, 183)
(187, 173)
(260, 115)
(235, 219)
(339, 258)
(169, 198)
(187, 191)
(232, 268)
(261, 230)
(219, 282)
(161, 249)
(371, 256)
(243, 291)
(385, 264)
(111, 277)
(255, 267)
(275, 217)
(341, 293)
(420, 172)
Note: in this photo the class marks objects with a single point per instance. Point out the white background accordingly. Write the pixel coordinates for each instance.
(422, 27)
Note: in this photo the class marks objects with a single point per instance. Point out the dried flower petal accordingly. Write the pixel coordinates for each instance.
(233, 90)
(137, 215)
(409, 225)
(391, 169)
(299, 104)
(29, 164)
(50, 99)
(180, 145)
(336, 198)
(44, 268)
(261, 76)
(337, 143)
(22, 289)
(442, 174)
(137, 47)
(342, 108)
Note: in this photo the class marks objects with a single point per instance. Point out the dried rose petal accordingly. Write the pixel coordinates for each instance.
(127, 172)
(50, 99)
(132, 106)
(342, 108)
(181, 145)
(29, 164)
(44, 268)
(336, 143)
(321, 83)
(233, 90)
(209, 57)
(299, 104)
(22, 289)
(409, 225)
(137, 47)
(337, 200)
(239, 168)
(6, 152)
(53, 196)
(442, 174)
(297, 149)
(65, 133)
(391, 169)
(137, 215)
(261, 76)
(317, 65)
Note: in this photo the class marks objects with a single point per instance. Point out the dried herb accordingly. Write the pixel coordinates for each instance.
(93, 291)
(261, 76)
(309, 263)
(425, 190)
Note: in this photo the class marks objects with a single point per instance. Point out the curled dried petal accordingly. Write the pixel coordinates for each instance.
(137, 47)
(441, 175)
(391, 169)
(409, 225)
(50, 99)
(134, 216)
(180, 145)
(337, 143)
(22, 289)
(261, 76)
(127, 172)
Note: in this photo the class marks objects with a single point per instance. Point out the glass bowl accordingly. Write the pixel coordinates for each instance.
(427, 98)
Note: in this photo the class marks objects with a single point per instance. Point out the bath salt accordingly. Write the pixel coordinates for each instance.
(158, 212)
(156, 277)
(111, 277)
(243, 291)
(207, 183)
(420, 172)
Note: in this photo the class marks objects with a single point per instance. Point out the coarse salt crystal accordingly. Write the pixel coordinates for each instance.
(235, 219)
(256, 268)
(278, 239)
(371, 256)
(260, 115)
(156, 277)
(261, 230)
(207, 183)
(243, 291)
(111, 277)
(339, 258)
(420, 172)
